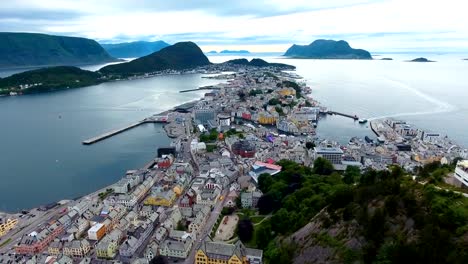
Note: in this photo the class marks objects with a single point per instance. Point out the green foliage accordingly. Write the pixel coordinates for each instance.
(310, 145)
(274, 101)
(279, 110)
(245, 229)
(227, 211)
(293, 85)
(211, 148)
(182, 55)
(254, 92)
(209, 137)
(322, 166)
(53, 78)
(351, 174)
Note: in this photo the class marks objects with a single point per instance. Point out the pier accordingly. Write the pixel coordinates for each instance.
(152, 119)
(210, 87)
(355, 117)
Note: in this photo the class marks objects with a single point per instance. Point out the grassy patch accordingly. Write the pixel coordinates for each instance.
(4, 243)
(257, 219)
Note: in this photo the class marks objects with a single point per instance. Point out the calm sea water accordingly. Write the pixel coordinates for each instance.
(432, 96)
(42, 159)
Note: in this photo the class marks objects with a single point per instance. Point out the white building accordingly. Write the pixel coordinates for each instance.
(461, 172)
(334, 155)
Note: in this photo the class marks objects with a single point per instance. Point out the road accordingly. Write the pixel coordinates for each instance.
(207, 228)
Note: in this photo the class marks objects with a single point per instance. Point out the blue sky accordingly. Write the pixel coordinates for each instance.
(375, 25)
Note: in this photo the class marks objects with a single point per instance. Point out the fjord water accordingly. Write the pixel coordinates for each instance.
(42, 158)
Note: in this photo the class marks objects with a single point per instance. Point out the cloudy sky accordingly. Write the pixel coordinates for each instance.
(257, 25)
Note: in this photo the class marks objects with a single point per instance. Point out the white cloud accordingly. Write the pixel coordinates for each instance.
(261, 25)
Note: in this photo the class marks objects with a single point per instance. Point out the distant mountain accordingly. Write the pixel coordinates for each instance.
(49, 79)
(259, 63)
(421, 60)
(235, 51)
(327, 49)
(212, 52)
(386, 59)
(182, 55)
(134, 49)
(31, 49)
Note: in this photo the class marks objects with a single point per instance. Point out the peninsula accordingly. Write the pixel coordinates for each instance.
(35, 50)
(48, 79)
(134, 49)
(259, 63)
(327, 49)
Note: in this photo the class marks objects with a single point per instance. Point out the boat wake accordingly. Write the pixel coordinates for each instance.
(439, 105)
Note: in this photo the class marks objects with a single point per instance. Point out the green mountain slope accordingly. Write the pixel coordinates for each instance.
(182, 55)
(31, 49)
(134, 49)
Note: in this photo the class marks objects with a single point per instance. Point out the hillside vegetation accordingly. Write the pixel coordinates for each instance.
(31, 49)
(319, 216)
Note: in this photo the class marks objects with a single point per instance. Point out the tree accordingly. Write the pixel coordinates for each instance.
(274, 101)
(280, 221)
(310, 145)
(323, 166)
(263, 235)
(351, 174)
(265, 204)
(245, 230)
(265, 180)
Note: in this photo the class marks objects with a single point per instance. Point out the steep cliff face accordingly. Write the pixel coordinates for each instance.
(30, 49)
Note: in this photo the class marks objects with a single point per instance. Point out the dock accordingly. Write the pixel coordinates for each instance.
(152, 119)
(355, 117)
(209, 87)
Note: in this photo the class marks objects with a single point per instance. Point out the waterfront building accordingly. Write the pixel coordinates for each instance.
(7, 226)
(210, 252)
(161, 197)
(37, 241)
(461, 172)
(202, 116)
(332, 154)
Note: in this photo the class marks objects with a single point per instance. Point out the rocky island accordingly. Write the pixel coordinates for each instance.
(19, 50)
(134, 49)
(421, 60)
(327, 49)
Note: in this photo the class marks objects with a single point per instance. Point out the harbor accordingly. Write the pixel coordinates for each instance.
(153, 119)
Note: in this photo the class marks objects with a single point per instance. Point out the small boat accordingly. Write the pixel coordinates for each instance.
(362, 121)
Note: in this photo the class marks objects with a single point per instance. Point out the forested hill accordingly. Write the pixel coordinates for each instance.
(31, 49)
(49, 79)
(180, 56)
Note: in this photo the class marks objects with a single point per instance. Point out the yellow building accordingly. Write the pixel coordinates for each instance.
(266, 119)
(287, 91)
(165, 198)
(7, 226)
(211, 252)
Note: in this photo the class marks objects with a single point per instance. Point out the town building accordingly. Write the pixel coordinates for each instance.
(332, 154)
(76, 248)
(243, 148)
(37, 241)
(7, 226)
(210, 252)
(107, 248)
(461, 172)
